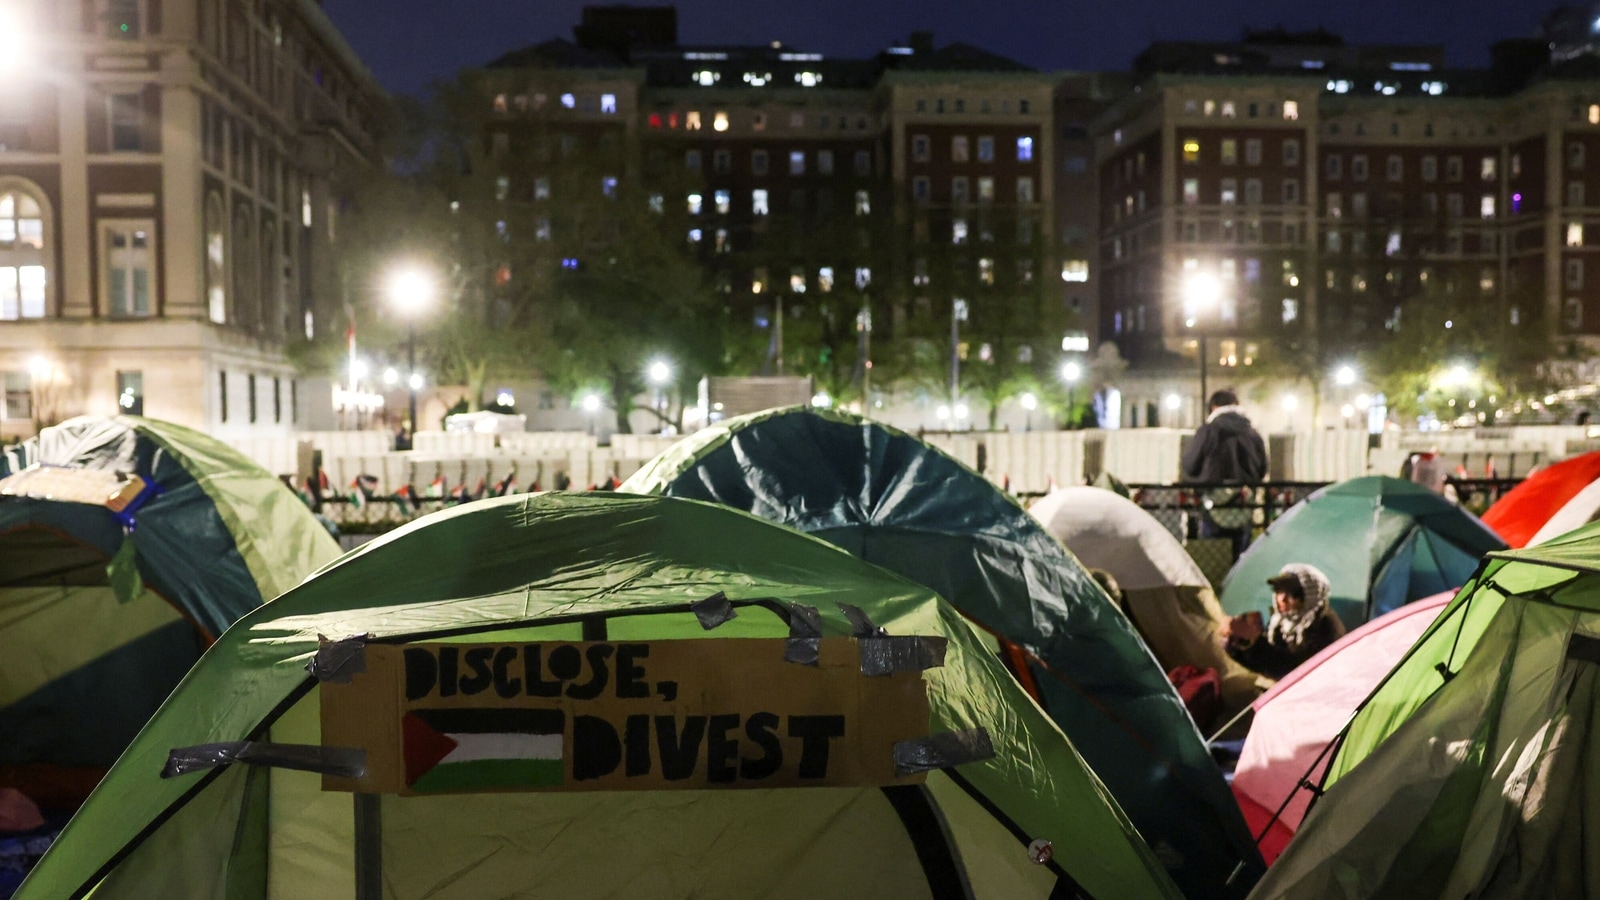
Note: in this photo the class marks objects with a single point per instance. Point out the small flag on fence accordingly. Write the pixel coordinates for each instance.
(436, 488)
(408, 497)
(361, 488)
(507, 485)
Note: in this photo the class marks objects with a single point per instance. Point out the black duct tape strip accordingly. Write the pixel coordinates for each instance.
(804, 645)
(1584, 648)
(713, 610)
(860, 625)
(339, 762)
(339, 661)
(888, 655)
(941, 751)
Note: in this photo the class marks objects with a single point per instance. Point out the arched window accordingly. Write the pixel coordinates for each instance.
(216, 261)
(245, 312)
(23, 267)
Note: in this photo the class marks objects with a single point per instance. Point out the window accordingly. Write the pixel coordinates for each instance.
(1453, 168)
(222, 396)
(541, 189)
(695, 204)
(720, 121)
(919, 272)
(1430, 204)
(1252, 152)
(691, 120)
(277, 399)
(958, 231)
(691, 160)
(1575, 193)
(608, 185)
(1075, 270)
(986, 149)
(122, 19)
(724, 201)
(22, 258)
(125, 119)
(825, 279)
(1335, 166)
(569, 101)
(1453, 205)
(958, 190)
(1594, 114)
(1024, 149)
(1574, 274)
(797, 162)
(1486, 206)
(608, 104)
(759, 162)
(985, 189)
(1228, 110)
(919, 148)
(797, 280)
(1291, 190)
(863, 162)
(1487, 168)
(824, 162)
(1575, 234)
(1394, 168)
(1230, 191)
(127, 254)
(863, 203)
(1230, 151)
(1291, 152)
(919, 189)
(758, 280)
(19, 395)
(863, 277)
(1358, 167)
(1334, 245)
(1191, 191)
(1025, 190)
(1252, 191)
(1358, 205)
(722, 245)
(1430, 168)
(1291, 110)
(1516, 165)
(1191, 150)
(1572, 313)
(1291, 310)
(250, 396)
(959, 149)
(758, 202)
(986, 270)
(1335, 206)
(721, 161)
(758, 121)
(1574, 155)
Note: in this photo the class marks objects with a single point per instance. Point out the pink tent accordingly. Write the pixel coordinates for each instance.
(1303, 713)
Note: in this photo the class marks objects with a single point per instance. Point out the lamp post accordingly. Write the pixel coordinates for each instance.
(958, 314)
(1070, 373)
(1030, 403)
(591, 405)
(658, 374)
(410, 290)
(1201, 292)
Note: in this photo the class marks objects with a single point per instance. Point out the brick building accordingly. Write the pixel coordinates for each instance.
(170, 178)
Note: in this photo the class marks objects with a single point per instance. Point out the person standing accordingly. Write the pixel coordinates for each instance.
(1226, 450)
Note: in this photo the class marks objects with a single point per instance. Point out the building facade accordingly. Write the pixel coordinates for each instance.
(1291, 200)
(170, 176)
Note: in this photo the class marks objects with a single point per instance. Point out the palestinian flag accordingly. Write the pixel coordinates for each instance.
(361, 488)
(436, 487)
(322, 481)
(461, 494)
(450, 750)
(407, 497)
(507, 486)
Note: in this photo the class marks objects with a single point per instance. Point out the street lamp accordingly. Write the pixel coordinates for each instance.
(1030, 403)
(658, 373)
(391, 377)
(958, 314)
(591, 405)
(14, 34)
(1201, 293)
(1345, 376)
(1070, 373)
(410, 292)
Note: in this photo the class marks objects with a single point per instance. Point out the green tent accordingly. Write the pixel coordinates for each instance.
(562, 568)
(1467, 772)
(102, 611)
(897, 502)
(1381, 541)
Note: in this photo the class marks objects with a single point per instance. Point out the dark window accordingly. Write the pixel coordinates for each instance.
(250, 394)
(126, 123)
(222, 389)
(130, 393)
(277, 399)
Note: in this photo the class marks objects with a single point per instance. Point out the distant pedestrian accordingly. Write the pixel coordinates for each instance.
(1226, 450)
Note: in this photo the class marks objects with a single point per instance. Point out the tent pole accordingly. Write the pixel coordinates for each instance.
(369, 847)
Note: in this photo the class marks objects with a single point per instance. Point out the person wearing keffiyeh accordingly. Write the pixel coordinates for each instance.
(1302, 624)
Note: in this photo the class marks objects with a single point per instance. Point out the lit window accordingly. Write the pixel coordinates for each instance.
(758, 202)
(691, 120)
(568, 101)
(958, 231)
(706, 77)
(919, 272)
(541, 228)
(608, 103)
(720, 122)
(541, 189)
(724, 200)
(985, 189)
(128, 253)
(1291, 110)
(986, 270)
(986, 149)
(1025, 190)
(1488, 168)
(694, 204)
(1075, 270)
(758, 280)
(1230, 151)
(808, 79)
(657, 203)
(863, 277)
(694, 235)
(960, 148)
(1594, 114)
(1228, 110)
(1230, 191)
(1191, 190)
(863, 203)
(1291, 310)
(1486, 206)
(1191, 150)
(797, 162)
(825, 279)
(797, 280)
(1024, 149)
(722, 241)
(1575, 234)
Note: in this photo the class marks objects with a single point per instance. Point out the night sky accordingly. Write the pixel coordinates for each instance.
(410, 43)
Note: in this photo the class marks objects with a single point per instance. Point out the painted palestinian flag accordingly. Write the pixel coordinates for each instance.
(463, 750)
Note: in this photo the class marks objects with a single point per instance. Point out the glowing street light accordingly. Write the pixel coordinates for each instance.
(659, 372)
(1030, 402)
(1202, 292)
(821, 400)
(1071, 372)
(591, 403)
(358, 370)
(391, 377)
(1345, 376)
(1290, 403)
(14, 44)
(410, 292)
(1173, 401)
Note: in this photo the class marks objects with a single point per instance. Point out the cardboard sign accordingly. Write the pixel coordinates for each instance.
(619, 715)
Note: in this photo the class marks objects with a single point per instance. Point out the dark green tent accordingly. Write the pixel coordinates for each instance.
(548, 571)
(899, 503)
(102, 611)
(1381, 541)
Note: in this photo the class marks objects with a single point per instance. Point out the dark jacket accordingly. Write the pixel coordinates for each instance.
(1276, 660)
(1225, 450)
